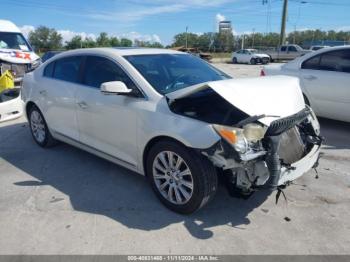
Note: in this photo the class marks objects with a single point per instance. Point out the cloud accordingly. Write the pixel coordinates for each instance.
(149, 8)
(219, 17)
(141, 37)
(67, 35)
(343, 28)
(26, 29)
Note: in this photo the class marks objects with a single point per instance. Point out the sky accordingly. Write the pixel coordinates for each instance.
(160, 20)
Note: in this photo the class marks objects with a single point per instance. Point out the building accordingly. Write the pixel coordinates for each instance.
(225, 26)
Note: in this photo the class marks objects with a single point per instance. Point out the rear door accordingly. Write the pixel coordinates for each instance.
(326, 78)
(57, 95)
(107, 123)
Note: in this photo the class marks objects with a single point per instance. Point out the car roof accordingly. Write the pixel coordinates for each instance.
(301, 59)
(120, 51)
(8, 26)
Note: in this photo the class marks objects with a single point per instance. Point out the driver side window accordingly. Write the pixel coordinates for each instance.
(99, 70)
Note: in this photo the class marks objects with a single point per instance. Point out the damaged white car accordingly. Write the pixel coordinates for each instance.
(176, 119)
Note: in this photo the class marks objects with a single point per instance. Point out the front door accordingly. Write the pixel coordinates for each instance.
(107, 122)
(326, 78)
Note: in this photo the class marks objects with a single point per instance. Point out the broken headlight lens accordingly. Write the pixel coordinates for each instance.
(240, 138)
(254, 132)
(234, 136)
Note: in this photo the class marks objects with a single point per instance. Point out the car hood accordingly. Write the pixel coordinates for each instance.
(273, 96)
(17, 56)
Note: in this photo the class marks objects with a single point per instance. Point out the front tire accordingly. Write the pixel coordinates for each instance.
(38, 127)
(182, 179)
(252, 61)
(234, 60)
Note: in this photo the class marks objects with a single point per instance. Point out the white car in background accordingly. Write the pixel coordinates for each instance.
(318, 47)
(176, 119)
(324, 78)
(250, 56)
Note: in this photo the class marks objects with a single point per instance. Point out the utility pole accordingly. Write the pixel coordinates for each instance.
(283, 25)
(186, 36)
(253, 37)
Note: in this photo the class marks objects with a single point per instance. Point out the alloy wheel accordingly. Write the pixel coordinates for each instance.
(38, 126)
(172, 177)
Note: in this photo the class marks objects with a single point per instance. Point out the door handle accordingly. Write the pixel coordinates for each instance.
(310, 77)
(82, 104)
(43, 92)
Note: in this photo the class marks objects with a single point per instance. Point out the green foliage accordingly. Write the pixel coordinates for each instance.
(124, 42)
(74, 43)
(103, 40)
(139, 43)
(44, 39)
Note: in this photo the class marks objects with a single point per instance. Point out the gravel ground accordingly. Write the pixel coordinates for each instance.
(66, 201)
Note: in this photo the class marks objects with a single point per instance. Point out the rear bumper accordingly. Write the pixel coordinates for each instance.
(300, 167)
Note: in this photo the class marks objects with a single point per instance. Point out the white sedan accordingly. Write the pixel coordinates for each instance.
(250, 56)
(324, 78)
(174, 118)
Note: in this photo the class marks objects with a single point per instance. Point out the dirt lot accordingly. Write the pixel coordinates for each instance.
(66, 201)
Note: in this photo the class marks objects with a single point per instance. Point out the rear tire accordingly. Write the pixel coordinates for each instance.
(39, 129)
(234, 60)
(195, 179)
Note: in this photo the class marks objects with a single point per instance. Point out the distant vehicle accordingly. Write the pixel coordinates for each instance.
(318, 47)
(250, 56)
(145, 110)
(194, 51)
(16, 58)
(49, 54)
(286, 52)
(324, 78)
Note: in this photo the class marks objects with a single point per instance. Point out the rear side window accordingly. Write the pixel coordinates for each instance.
(99, 70)
(292, 49)
(48, 71)
(336, 61)
(311, 63)
(283, 48)
(67, 69)
(330, 61)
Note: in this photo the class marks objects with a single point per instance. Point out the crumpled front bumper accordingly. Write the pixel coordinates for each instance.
(300, 167)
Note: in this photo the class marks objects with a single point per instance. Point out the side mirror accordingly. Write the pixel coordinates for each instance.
(115, 87)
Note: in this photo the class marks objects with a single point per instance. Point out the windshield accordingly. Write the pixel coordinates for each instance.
(253, 51)
(13, 41)
(171, 72)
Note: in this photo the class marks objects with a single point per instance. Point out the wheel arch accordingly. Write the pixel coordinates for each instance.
(28, 106)
(151, 143)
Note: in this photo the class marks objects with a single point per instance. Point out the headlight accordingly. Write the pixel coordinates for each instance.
(234, 136)
(254, 132)
(239, 138)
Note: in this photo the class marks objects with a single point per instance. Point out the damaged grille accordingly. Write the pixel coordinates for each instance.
(18, 70)
(291, 148)
(279, 126)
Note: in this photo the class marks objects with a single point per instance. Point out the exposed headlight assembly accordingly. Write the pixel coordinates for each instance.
(239, 138)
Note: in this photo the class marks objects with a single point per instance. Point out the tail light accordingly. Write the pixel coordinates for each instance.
(262, 72)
